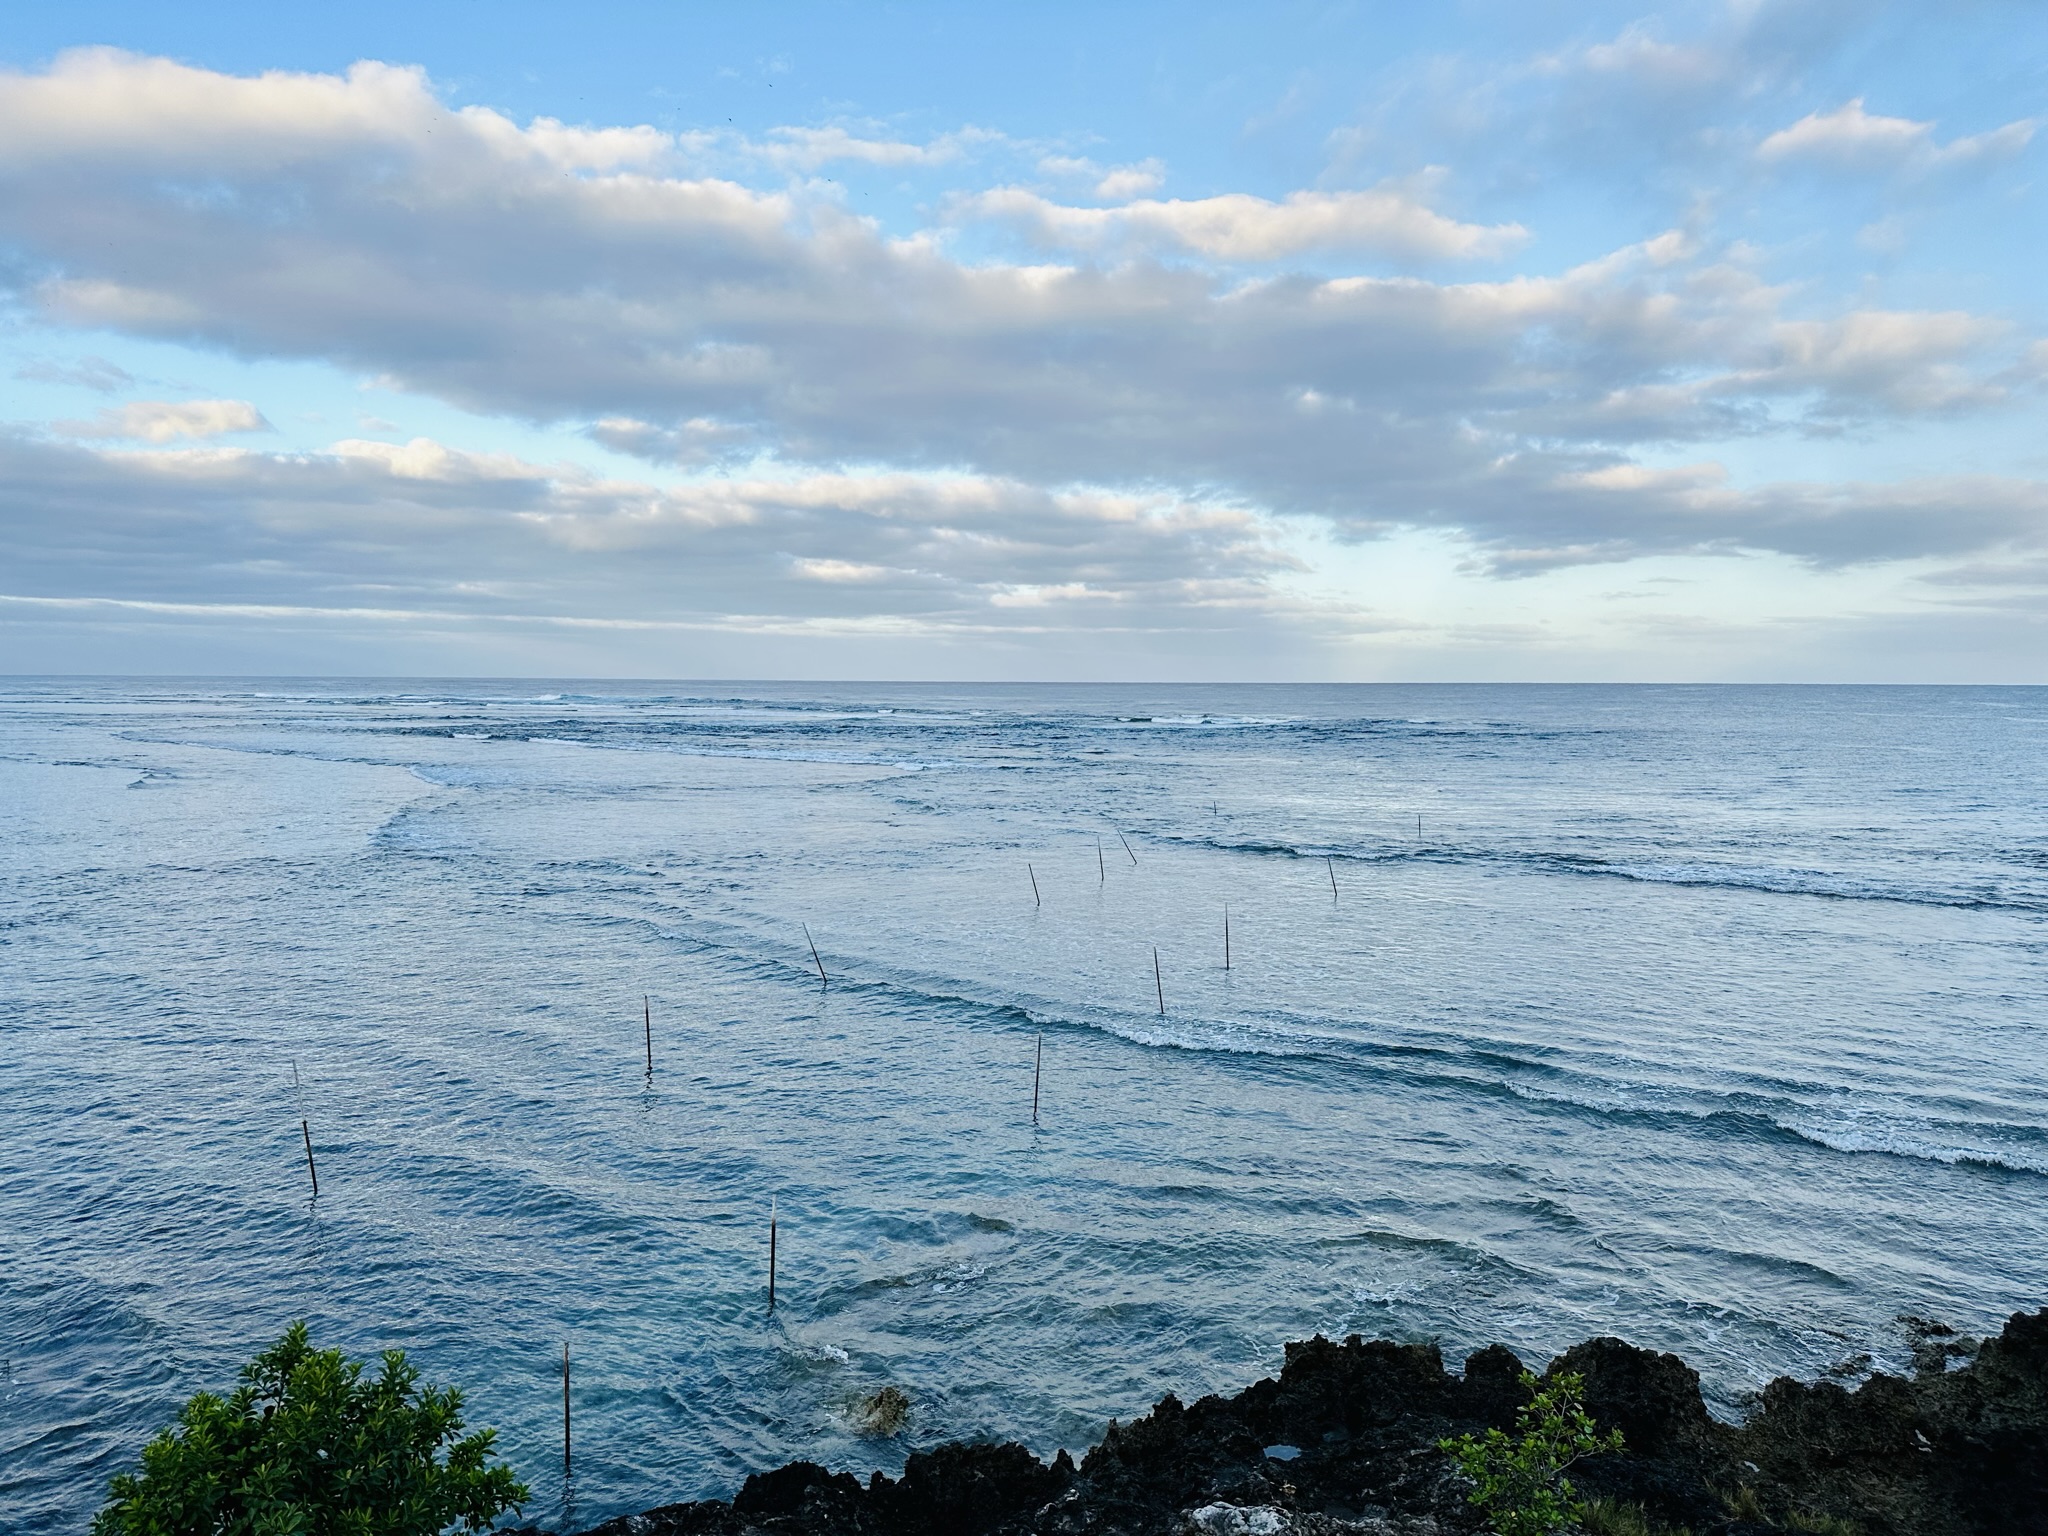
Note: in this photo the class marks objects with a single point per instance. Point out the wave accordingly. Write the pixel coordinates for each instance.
(1777, 880)
(1491, 1068)
(765, 754)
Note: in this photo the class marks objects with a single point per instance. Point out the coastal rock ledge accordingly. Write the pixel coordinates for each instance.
(1958, 1448)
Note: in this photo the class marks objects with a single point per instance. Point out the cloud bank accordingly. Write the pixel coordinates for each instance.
(1111, 410)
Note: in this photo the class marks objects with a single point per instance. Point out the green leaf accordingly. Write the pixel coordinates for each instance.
(306, 1447)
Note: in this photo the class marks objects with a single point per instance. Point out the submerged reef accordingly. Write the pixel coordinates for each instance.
(1345, 1440)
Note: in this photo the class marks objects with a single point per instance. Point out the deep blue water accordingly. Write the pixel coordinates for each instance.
(1712, 1017)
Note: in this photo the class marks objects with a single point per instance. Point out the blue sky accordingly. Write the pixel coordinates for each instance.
(1312, 341)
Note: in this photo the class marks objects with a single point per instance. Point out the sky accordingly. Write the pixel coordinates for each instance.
(1319, 342)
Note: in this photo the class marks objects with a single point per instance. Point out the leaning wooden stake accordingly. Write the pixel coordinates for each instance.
(1333, 878)
(1035, 899)
(1127, 846)
(1156, 982)
(565, 1410)
(1037, 1071)
(771, 1253)
(647, 1017)
(814, 955)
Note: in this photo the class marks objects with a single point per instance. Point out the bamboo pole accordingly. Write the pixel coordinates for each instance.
(305, 1131)
(1226, 935)
(771, 1253)
(647, 1018)
(1127, 847)
(1037, 1071)
(814, 955)
(565, 1410)
(1101, 869)
(1156, 982)
(1036, 900)
(1333, 878)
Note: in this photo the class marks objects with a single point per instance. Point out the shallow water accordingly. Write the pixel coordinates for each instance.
(1709, 1017)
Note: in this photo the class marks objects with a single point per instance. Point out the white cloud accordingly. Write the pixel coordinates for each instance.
(1635, 52)
(1127, 181)
(1239, 227)
(807, 149)
(163, 421)
(1853, 139)
(697, 321)
(1907, 361)
(230, 525)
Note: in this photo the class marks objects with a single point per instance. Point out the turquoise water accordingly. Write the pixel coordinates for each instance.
(1709, 1017)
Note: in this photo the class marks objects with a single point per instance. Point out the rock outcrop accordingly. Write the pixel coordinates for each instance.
(1345, 1440)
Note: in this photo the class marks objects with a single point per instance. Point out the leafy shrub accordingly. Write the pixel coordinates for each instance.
(1519, 1479)
(307, 1447)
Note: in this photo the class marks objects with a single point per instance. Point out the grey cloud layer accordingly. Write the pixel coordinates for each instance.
(382, 526)
(573, 274)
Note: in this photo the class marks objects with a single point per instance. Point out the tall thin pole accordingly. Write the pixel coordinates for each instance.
(771, 1253)
(565, 1410)
(1333, 878)
(305, 1131)
(1037, 1071)
(814, 955)
(1156, 982)
(1127, 846)
(1101, 869)
(647, 1017)
(1035, 898)
(1226, 935)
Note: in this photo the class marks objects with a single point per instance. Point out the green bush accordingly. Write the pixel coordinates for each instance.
(307, 1447)
(1519, 1479)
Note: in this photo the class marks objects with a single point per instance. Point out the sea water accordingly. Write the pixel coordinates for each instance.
(1708, 1017)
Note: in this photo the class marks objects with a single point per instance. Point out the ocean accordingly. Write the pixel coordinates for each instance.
(1714, 1018)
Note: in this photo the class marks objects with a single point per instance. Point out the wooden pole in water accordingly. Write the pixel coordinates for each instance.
(1127, 846)
(1333, 878)
(565, 1410)
(1101, 869)
(647, 1017)
(1037, 1071)
(814, 955)
(1226, 935)
(771, 1253)
(1036, 900)
(312, 1172)
(1156, 982)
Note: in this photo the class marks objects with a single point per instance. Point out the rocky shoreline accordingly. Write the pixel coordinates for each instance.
(1345, 1441)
